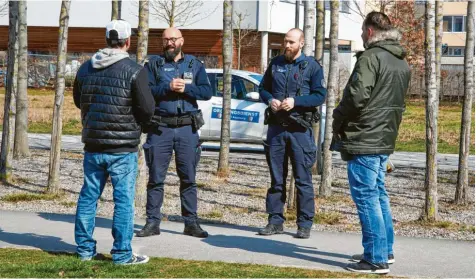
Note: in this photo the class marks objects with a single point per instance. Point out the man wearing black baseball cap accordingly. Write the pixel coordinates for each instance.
(115, 100)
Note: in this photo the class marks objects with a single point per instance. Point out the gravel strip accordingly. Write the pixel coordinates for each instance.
(240, 199)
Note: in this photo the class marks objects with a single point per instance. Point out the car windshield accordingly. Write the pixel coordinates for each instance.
(257, 77)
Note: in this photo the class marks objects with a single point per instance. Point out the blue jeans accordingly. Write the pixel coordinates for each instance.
(367, 186)
(122, 168)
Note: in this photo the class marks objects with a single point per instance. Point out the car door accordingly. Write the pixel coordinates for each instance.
(247, 115)
(216, 103)
(206, 108)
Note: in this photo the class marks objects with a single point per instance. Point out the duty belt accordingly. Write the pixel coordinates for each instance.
(174, 121)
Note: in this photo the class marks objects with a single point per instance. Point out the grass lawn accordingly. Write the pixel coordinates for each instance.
(15, 263)
(411, 136)
(412, 130)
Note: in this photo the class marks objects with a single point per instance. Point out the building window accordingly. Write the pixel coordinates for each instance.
(344, 6)
(458, 24)
(453, 51)
(454, 23)
(344, 48)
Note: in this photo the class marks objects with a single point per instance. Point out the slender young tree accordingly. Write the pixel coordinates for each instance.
(438, 43)
(431, 184)
(55, 151)
(326, 179)
(297, 11)
(319, 55)
(309, 19)
(223, 159)
(141, 54)
(116, 9)
(21, 148)
(465, 136)
(10, 95)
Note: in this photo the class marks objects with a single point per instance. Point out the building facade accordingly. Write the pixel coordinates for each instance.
(267, 22)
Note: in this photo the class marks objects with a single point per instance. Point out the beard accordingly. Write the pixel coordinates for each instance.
(289, 54)
(171, 52)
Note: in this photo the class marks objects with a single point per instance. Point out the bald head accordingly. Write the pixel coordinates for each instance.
(171, 32)
(293, 43)
(296, 34)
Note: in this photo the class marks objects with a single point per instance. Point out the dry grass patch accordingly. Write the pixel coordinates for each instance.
(240, 210)
(443, 224)
(334, 199)
(329, 218)
(213, 214)
(256, 192)
(21, 197)
(72, 155)
(68, 203)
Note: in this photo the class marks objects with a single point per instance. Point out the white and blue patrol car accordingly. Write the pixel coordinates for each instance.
(247, 110)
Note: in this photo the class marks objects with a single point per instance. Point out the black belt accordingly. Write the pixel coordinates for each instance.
(174, 121)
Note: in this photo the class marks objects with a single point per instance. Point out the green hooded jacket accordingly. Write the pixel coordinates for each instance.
(367, 119)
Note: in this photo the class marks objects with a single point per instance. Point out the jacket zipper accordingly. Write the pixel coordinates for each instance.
(286, 83)
(178, 96)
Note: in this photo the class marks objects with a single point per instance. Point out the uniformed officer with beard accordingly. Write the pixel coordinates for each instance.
(177, 81)
(292, 86)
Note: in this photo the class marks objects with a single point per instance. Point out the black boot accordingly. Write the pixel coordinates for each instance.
(194, 229)
(271, 229)
(150, 228)
(303, 233)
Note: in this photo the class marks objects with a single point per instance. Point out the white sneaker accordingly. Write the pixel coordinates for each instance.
(137, 259)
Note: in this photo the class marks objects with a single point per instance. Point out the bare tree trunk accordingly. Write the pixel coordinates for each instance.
(291, 203)
(141, 54)
(115, 9)
(438, 49)
(309, 18)
(172, 14)
(21, 148)
(143, 31)
(465, 136)
(55, 151)
(297, 10)
(319, 55)
(223, 159)
(326, 178)
(238, 42)
(431, 173)
(9, 110)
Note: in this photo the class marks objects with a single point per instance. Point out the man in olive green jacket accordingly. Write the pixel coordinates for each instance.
(365, 128)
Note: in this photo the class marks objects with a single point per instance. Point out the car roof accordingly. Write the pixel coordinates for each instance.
(240, 73)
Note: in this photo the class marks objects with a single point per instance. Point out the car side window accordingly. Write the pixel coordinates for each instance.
(213, 83)
(239, 87)
(238, 90)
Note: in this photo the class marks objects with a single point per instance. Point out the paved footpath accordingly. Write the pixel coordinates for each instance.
(446, 162)
(415, 257)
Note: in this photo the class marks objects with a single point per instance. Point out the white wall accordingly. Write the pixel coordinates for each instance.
(449, 60)
(87, 13)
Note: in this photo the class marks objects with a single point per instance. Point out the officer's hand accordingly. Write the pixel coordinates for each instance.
(177, 85)
(288, 104)
(275, 105)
